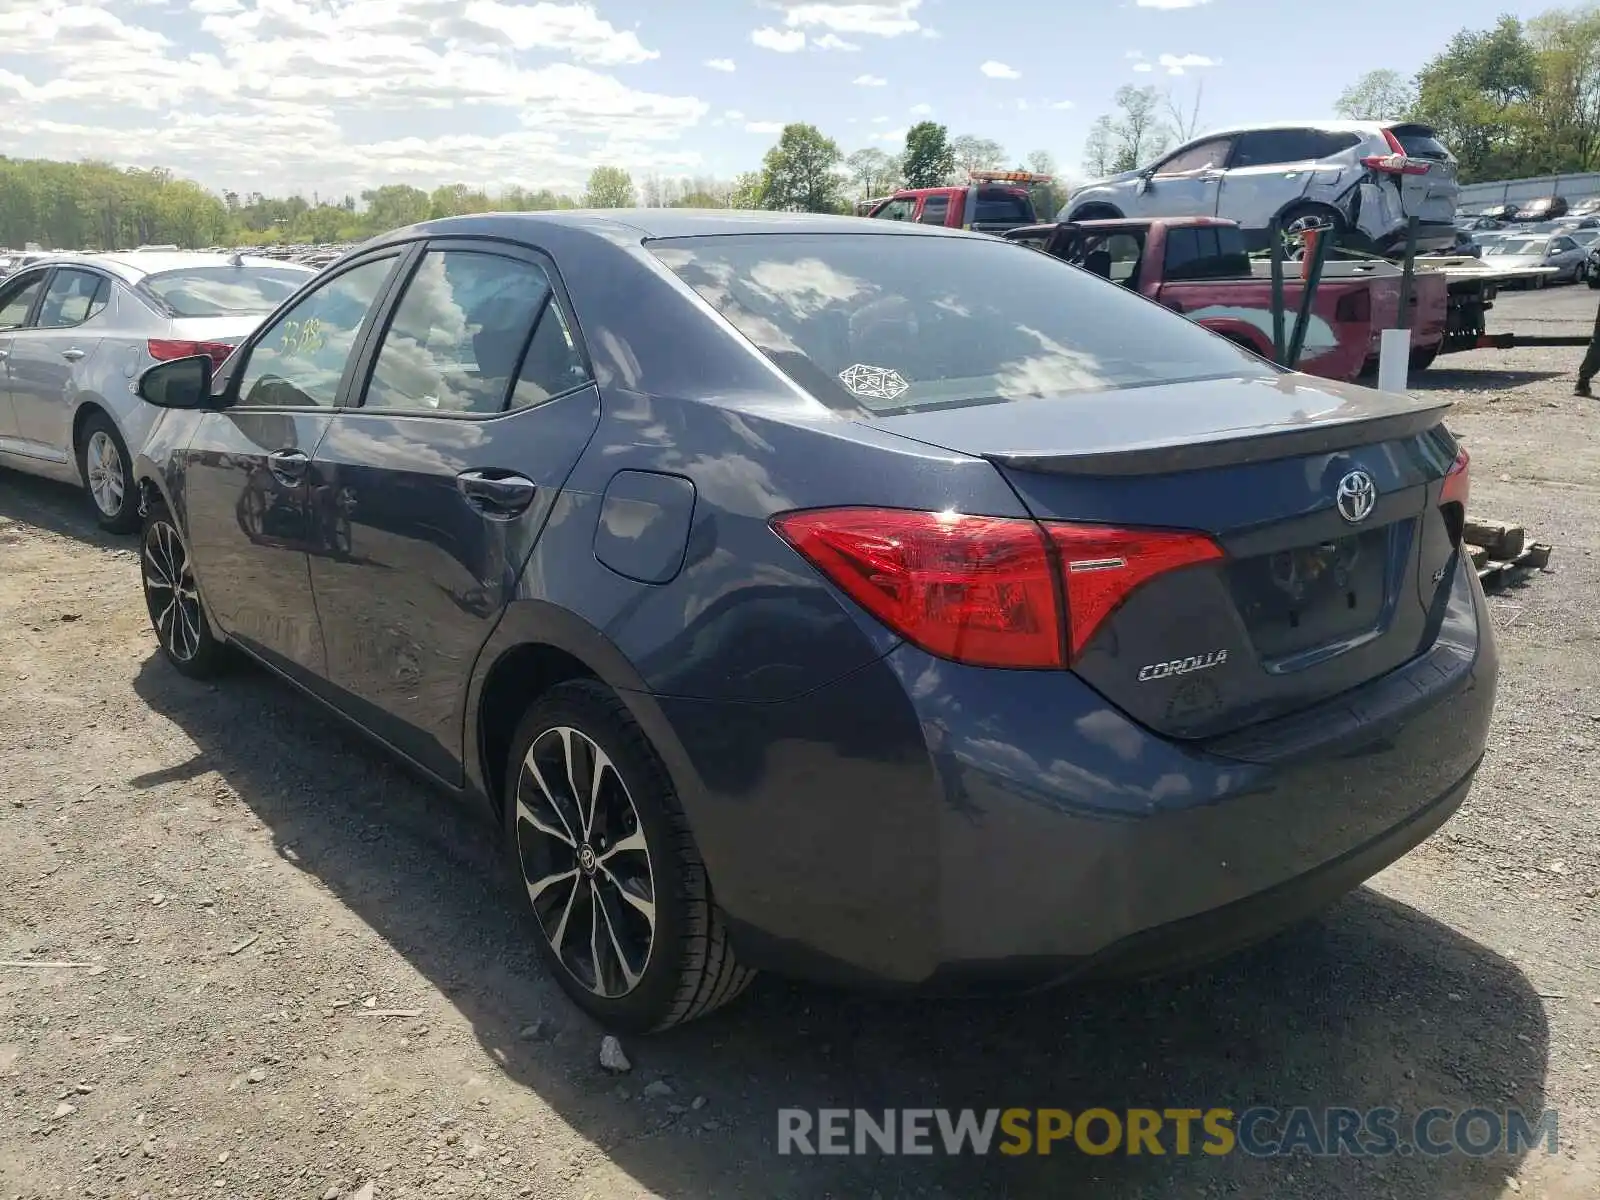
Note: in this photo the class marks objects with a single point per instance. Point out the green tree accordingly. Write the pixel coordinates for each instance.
(1381, 95)
(609, 187)
(800, 173)
(1138, 132)
(928, 158)
(1099, 148)
(1476, 93)
(975, 154)
(388, 207)
(748, 191)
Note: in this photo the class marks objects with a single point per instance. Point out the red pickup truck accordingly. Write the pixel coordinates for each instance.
(990, 202)
(1198, 266)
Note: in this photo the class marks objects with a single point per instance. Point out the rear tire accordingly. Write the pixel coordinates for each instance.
(617, 892)
(172, 597)
(107, 473)
(1301, 217)
(1421, 360)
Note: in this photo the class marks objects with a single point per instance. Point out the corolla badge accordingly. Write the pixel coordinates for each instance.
(1356, 496)
(1182, 666)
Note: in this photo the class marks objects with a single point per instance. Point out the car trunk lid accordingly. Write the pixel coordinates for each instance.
(1325, 500)
(1431, 195)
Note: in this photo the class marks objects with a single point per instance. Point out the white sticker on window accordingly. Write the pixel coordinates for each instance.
(873, 383)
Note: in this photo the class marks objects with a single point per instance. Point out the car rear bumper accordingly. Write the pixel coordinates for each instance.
(923, 824)
(1431, 235)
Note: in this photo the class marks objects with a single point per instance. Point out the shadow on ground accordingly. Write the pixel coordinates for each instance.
(1377, 1005)
(1462, 379)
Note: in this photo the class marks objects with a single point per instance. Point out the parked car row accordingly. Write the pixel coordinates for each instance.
(864, 601)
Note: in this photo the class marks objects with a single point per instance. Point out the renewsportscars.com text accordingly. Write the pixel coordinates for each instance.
(1256, 1132)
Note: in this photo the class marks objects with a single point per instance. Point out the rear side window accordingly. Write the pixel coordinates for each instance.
(1211, 252)
(72, 298)
(1419, 141)
(224, 291)
(934, 210)
(1264, 147)
(997, 204)
(901, 324)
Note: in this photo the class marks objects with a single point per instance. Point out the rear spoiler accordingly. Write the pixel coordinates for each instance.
(1158, 457)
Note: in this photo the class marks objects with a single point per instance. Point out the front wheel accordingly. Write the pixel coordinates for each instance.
(108, 474)
(172, 597)
(619, 896)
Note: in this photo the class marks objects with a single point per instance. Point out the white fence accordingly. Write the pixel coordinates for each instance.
(1520, 191)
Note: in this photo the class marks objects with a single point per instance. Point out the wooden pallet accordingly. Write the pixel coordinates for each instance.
(1498, 572)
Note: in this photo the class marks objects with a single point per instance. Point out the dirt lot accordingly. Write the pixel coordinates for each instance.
(257, 889)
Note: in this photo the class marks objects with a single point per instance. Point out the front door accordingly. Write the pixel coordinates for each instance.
(477, 405)
(250, 498)
(1271, 169)
(18, 297)
(1189, 184)
(50, 355)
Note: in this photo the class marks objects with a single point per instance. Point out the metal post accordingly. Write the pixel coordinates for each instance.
(1275, 242)
(1408, 271)
(1302, 320)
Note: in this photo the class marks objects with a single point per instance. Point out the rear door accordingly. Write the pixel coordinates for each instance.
(19, 295)
(1269, 170)
(1431, 196)
(934, 209)
(432, 485)
(50, 356)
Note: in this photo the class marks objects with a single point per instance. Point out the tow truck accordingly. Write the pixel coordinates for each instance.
(989, 202)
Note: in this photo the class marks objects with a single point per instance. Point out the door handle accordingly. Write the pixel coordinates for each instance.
(72, 355)
(497, 493)
(288, 467)
(4, 354)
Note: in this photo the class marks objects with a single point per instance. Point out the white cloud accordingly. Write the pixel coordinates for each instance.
(1136, 55)
(922, 110)
(1142, 66)
(784, 41)
(721, 64)
(869, 81)
(1022, 106)
(832, 41)
(764, 127)
(283, 95)
(574, 29)
(999, 70)
(880, 120)
(1176, 64)
(874, 17)
(1170, 4)
(890, 135)
(1063, 105)
(733, 114)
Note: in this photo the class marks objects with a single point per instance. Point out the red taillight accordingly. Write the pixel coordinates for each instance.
(166, 349)
(1398, 163)
(1457, 482)
(1104, 566)
(987, 591)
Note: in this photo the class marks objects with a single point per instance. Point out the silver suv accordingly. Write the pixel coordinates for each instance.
(1363, 179)
(77, 330)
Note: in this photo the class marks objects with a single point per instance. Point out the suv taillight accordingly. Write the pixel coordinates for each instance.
(166, 349)
(1453, 495)
(1397, 161)
(987, 591)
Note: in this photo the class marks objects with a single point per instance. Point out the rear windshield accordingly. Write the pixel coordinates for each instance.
(894, 324)
(1419, 141)
(224, 291)
(995, 204)
(1518, 246)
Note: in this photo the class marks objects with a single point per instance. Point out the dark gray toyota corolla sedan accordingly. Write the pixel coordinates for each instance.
(863, 601)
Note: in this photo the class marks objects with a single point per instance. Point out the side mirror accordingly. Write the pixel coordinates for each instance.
(180, 383)
(1146, 182)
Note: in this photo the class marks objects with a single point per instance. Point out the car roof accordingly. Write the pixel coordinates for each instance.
(133, 265)
(643, 224)
(1326, 124)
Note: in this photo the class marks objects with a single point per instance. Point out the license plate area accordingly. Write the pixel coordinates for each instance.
(1306, 597)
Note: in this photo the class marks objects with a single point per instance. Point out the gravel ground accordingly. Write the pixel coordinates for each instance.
(309, 978)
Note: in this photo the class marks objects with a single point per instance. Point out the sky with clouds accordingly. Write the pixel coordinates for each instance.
(338, 95)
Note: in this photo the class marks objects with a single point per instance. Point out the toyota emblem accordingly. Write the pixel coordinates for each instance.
(1356, 497)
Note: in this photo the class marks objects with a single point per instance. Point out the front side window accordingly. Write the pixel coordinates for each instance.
(898, 324)
(17, 297)
(300, 360)
(72, 298)
(458, 334)
(896, 210)
(1207, 156)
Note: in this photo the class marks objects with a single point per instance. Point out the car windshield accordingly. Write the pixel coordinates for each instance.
(895, 324)
(225, 291)
(1518, 246)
